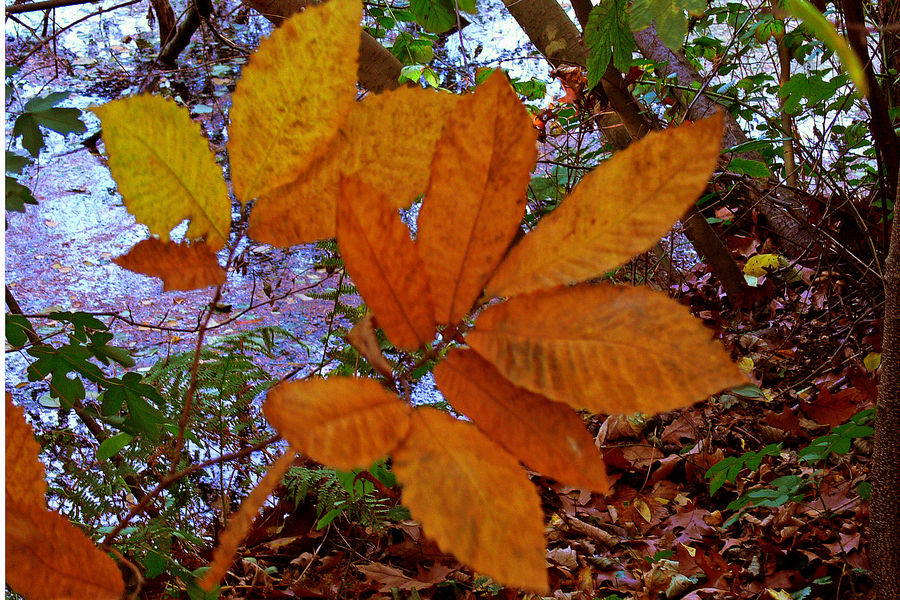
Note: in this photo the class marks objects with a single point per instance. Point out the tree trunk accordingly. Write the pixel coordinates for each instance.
(555, 36)
(884, 523)
(165, 18)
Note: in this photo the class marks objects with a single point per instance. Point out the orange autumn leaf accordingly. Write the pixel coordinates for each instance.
(293, 96)
(618, 210)
(547, 436)
(476, 196)
(384, 263)
(450, 474)
(346, 422)
(387, 141)
(49, 558)
(25, 481)
(180, 266)
(363, 338)
(609, 349)
(240, 523)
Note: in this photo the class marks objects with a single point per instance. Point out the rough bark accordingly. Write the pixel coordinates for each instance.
(884, 523)
(165, 19)
(783, 212)
(555, 36)
(181, 37)
(379, 70)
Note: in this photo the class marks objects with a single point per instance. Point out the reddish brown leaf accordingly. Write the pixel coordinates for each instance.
(180, 266)
(384, 263)
(547, 436)
(25, 482)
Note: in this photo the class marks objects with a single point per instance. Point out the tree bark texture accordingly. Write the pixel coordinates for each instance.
(165, 19)
(379, 70)
(555, 36)
(884, 523)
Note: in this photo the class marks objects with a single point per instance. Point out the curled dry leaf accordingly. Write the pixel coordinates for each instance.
(387, 142)
(547, 436)
(362, 337)
(450, 473)
(618, 210)
(609, 349)
(384, 263)
(240, 523)
(180, 266)
(164, 168)
(287, 109)
(25, 481)
(476, 195)
(346, 422)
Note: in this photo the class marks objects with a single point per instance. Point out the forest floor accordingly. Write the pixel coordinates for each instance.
(788, 520)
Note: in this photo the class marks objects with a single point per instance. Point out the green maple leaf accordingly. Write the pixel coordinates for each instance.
(671, 22)
(42, 112)
(608, 37)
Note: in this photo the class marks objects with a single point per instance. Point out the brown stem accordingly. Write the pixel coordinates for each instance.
(787, 124)
(44, 5)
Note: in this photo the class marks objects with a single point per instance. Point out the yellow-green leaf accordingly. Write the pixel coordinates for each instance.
(180, 266)
(25, 481)
(387, 141)
(609, 349)
(293, 96)
(164, 168)
(240, 523)
(48, 558)
(618, 210)
(345, 422)
(384, 263)
(547, 436)
(476, 195)
(473, 499)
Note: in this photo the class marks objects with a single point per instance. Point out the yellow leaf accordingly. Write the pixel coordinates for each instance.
(450, 474)
(618, 210)
(642, 509)
(476, 196)
(871, 361)
(25, 482)
(240, 523)
(164, 168)
(547, 436)
(293, 96)
(345, 422)
(49, 558)
(180, 266)
(609, 349)
(362, 336)
(384, 263)
(387, 141)
(762, 264)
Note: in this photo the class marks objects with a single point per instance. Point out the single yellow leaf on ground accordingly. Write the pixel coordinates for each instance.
(48, 558)
(619, 209)
(240, 523)
(363, 338)
(25, 480)
(384, 263)
(387, 141)
(476, 195)
(473, 499)
(345, 422)
(547, 436)
(180, 266)
(164, 168)
(609, 349)
(293, 96)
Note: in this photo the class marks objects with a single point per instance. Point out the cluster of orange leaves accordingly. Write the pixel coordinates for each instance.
(321, 164)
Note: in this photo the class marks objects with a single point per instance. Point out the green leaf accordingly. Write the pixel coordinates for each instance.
(17, 195)
(47, 102)
(753, 168)
(15, 163)
(17, 329)
(32, 139)
(825, 31)
(61, 120)
(608, 37)
(112, 445)
(437, 16)
(412, 51)
(671, 22)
